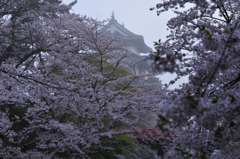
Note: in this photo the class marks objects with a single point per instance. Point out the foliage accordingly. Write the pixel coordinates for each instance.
(64, 93)
(204, 45)
(113, 146)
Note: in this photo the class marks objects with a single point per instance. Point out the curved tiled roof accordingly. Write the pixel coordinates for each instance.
(128, 36)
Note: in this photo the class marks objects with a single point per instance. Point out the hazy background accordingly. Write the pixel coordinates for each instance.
(134, 14)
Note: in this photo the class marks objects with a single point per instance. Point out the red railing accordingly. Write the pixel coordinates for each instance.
(150, 133)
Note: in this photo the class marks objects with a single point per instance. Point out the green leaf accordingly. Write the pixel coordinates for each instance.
(215, 100)
(218, 132)
(232, 98)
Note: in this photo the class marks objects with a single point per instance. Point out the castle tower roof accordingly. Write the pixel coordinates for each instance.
(134, 40)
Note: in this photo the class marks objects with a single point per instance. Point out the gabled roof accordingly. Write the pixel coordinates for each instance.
(135, 40)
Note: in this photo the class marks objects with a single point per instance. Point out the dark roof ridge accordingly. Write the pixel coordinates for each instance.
(113, 21)
(128, 36)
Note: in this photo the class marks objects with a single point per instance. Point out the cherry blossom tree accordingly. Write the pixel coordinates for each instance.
(204, 44)
(64, 92)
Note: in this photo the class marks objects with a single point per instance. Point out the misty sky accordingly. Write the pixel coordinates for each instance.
(134, 14)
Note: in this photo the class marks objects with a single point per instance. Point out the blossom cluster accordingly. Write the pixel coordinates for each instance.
(63, 88)
(206, 35)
